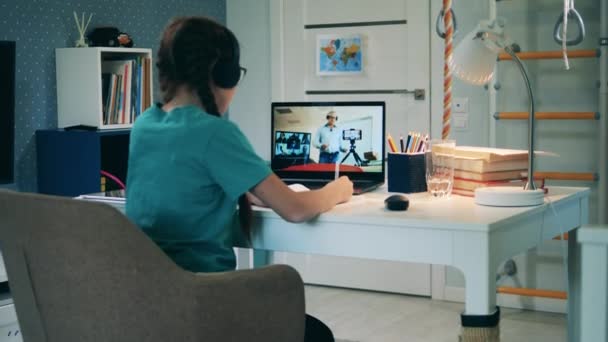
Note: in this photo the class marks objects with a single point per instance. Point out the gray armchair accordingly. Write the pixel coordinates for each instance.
(81, 271)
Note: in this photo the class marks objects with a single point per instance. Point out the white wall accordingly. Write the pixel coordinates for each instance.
(251, 105)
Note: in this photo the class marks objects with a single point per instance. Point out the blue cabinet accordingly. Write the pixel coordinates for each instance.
(70, 162)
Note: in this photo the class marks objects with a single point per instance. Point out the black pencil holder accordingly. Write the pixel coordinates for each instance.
(406, 172)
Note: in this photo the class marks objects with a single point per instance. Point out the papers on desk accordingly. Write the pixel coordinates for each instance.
(102, 198)
(297, 187)
(116, 202)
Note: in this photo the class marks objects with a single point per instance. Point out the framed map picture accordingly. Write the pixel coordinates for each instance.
(339, 55)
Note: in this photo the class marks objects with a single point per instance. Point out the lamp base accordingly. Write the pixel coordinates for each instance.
(509, 196)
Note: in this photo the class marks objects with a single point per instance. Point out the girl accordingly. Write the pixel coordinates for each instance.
(189, 167)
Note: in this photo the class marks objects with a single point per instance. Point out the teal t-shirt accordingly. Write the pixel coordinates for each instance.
(187, 170)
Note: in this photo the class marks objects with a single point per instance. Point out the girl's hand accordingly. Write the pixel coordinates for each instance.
(343, 188)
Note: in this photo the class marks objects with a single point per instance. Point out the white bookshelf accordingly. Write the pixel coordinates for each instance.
(79, 84)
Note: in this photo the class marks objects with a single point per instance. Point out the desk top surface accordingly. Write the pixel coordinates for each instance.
(456, 212)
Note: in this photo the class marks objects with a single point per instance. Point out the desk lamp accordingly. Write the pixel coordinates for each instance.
(474, 62)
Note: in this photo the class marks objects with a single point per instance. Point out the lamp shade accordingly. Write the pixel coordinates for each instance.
(474, 58)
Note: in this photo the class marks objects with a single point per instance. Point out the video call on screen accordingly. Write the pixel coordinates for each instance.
(304, 138)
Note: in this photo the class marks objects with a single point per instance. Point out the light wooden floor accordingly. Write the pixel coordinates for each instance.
(365, 316)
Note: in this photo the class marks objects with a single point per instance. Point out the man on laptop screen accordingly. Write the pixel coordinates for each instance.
(313, 140)
(328, 139)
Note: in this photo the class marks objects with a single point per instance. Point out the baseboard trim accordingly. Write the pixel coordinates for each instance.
(456, 294)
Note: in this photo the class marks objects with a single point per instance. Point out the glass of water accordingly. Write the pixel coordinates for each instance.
(439, 159)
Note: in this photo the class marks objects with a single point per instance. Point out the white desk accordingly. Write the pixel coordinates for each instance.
(452, 231)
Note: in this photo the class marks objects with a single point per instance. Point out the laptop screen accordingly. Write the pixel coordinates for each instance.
(310, 138)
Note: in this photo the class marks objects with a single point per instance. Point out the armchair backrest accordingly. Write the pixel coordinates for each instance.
(55, 250)
(81, 271)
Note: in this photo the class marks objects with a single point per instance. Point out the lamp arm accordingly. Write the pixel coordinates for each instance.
(530, 183)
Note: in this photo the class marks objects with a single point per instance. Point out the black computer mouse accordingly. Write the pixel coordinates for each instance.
(397, 202)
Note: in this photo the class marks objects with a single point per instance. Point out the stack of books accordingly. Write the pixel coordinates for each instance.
(125, 89)
(476, 167)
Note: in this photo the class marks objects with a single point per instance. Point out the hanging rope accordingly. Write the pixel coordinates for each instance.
(560, 31)
(568, 4)
(447, 74)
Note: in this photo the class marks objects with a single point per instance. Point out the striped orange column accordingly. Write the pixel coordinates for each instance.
(447, 74)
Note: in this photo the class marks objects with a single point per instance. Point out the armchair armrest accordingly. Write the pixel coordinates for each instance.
(264, 304)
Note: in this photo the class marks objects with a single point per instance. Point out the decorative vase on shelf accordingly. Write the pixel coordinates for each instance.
(81, 42)
(82, 28)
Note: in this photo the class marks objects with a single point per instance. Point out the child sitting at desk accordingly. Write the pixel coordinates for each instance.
(188, 166)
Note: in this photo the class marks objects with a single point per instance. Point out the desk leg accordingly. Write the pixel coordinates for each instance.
(574, 287)
(480, 320)
(574, 277)
(261, 258)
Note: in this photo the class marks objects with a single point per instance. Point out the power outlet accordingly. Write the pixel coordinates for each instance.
(460, 105)
(460, 121)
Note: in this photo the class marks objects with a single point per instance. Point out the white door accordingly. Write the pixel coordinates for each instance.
(396, 53)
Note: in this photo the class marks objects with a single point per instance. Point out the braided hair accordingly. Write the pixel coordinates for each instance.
(189, 49)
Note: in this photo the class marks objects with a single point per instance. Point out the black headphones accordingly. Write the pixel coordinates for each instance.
(327, 117)
(225, 73)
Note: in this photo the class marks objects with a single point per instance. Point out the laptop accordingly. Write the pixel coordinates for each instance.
(312, 142)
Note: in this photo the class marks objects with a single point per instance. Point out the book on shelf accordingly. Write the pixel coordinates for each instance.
(147, 77)
(134, 89)
(118, 102)
(142, 88)
(121, 68)
(106, 78)
(126, 92)
(126, 89)
(490, 176)
(139, 87)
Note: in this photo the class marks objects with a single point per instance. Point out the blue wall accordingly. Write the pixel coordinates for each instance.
(39, 27)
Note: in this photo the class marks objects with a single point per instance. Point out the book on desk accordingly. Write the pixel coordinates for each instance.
(477, 167)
